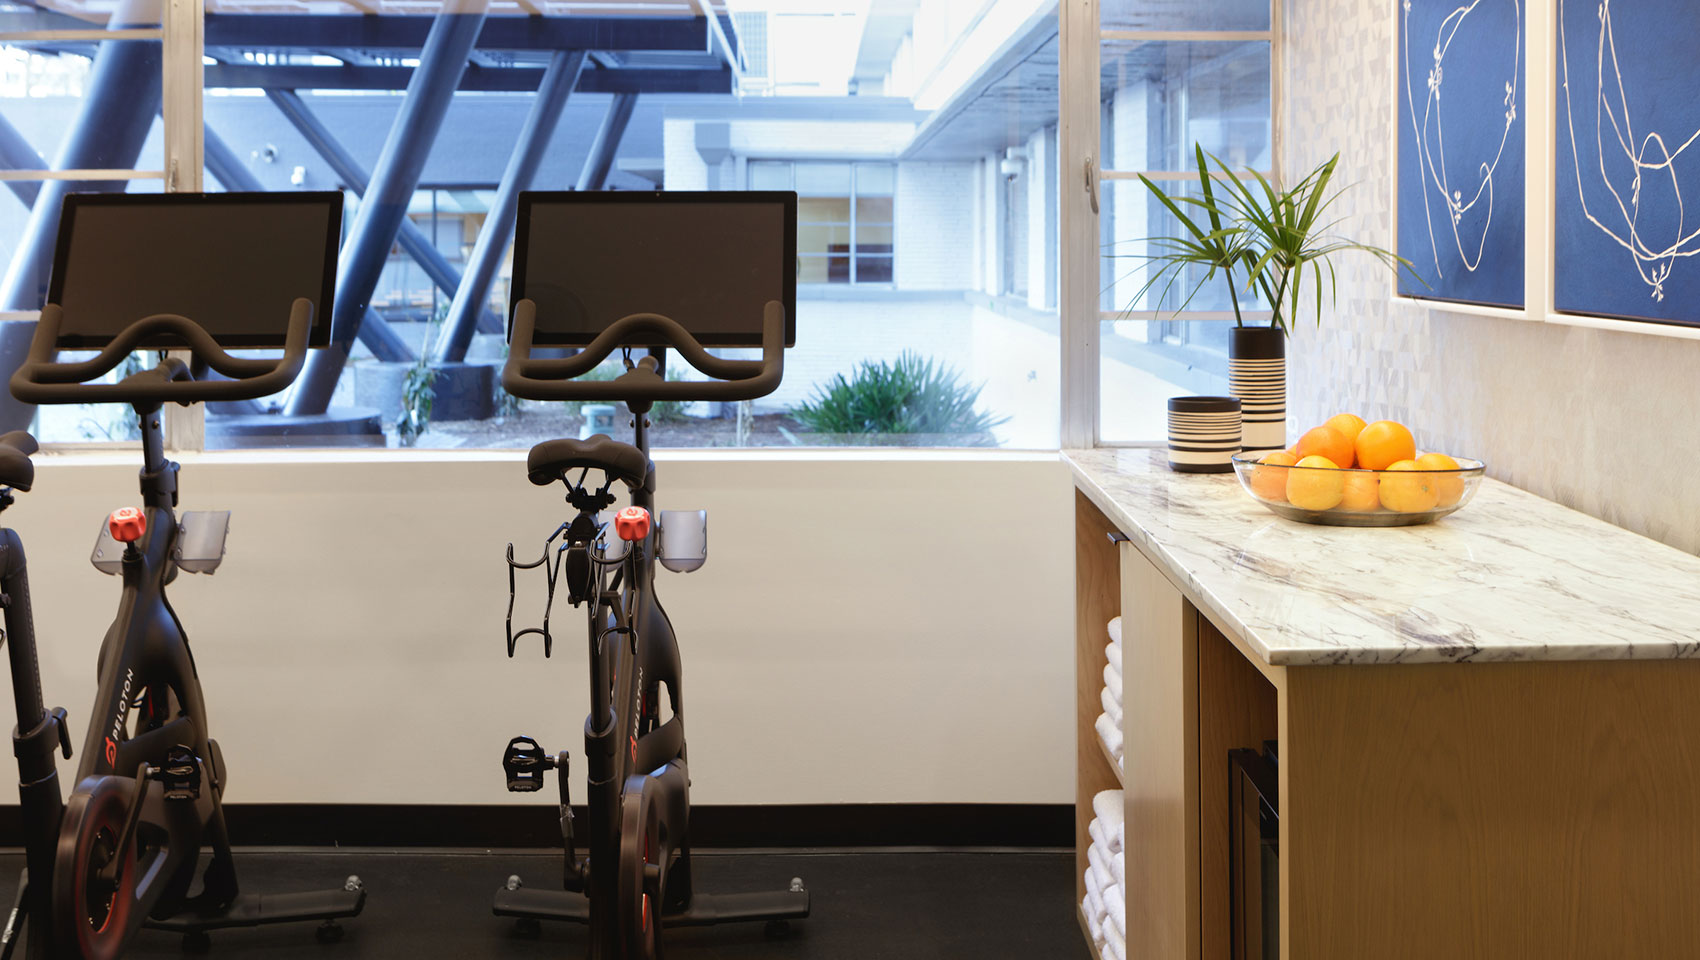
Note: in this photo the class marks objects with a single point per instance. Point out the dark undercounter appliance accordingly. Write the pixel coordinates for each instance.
(1255, 863)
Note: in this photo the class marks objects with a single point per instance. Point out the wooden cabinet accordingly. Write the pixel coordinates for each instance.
(1494, 811)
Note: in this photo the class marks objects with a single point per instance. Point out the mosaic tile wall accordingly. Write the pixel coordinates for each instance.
(1600, 421)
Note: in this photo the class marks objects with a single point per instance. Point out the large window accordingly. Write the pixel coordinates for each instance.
(924, 140)
(1172, 77)
(923, 318)
(845, 223)
(81, 109)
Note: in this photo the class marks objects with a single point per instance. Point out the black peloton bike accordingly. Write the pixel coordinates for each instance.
(123, 852)
(708, 264)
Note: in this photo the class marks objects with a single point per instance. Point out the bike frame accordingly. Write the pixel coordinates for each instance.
(632, 758)
(146, 654)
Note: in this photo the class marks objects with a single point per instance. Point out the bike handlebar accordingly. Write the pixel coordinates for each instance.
(551, 379)
(41, 380)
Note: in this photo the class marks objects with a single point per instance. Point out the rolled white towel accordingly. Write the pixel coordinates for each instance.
(1095, 909)
(1118, 866)
(1116, 630)
(1111, 733)
(1100, 870)
(1112, 706)
(1100, 836)
(1115, 945)
(1113, 653)
(1094, 885)
(1115, 906)
(1108, 807)
(1113, 680)
(1094, 926)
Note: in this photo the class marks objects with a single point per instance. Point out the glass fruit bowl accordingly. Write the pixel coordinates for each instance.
(1359, 498)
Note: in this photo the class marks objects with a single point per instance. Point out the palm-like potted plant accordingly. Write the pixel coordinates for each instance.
(1263, 241)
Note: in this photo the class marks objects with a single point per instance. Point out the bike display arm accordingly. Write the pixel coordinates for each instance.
(40, 379)
(535, 378)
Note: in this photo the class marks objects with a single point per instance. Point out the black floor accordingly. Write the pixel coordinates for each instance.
(865, 906)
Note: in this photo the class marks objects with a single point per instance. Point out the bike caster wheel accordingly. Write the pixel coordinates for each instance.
(328, 932)
(528, 927)
(196, 941)
(777, 929)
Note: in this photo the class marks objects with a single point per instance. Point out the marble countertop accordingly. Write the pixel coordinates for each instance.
(1509, 577)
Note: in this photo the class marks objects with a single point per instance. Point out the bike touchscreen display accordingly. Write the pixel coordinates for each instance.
(709, 260)
(232, 262)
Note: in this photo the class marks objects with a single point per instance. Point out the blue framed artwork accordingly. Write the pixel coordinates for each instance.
(1625, 244)
(1460, 181)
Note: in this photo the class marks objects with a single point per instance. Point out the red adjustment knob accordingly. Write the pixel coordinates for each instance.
(632, 523)
(127, 524)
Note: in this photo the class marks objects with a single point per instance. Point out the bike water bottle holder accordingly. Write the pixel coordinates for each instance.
(200, 543)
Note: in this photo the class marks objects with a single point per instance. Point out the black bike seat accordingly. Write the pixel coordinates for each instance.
(550, 460)
(16, 470)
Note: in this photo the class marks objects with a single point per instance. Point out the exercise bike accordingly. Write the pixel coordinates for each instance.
(123, 852)
(637, 877)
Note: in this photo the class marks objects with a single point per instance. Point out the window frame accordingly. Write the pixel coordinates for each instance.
(1081, 110)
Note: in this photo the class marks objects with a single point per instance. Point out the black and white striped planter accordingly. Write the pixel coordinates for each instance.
(1204, 434)
(1257, 375)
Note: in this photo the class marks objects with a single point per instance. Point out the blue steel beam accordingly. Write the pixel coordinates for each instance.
(711, 80)
(469, 299)
(288, 30)
(117, 111)
(348, 169)
(17, 154)
(223, 163)
(394, 179)
(594, 176)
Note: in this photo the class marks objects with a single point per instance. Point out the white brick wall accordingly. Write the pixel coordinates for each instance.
(682, 165)
(935, 226)
(1038, 200)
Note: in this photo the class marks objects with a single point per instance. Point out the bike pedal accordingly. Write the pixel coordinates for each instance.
(180, 775)
(525, 762)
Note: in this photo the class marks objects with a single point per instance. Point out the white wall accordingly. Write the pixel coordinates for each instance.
(866, 630)
(1597, 420)
(935, 226)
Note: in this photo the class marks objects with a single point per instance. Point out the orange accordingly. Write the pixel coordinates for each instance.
(1384, 443)
(1363, 492)
(1319, 488)
(1325, 442)
(1270, 483)
(1348, 425)
(1406, 488)
(1449, 486)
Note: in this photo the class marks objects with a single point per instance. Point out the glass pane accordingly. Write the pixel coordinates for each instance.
(1184, 14)
(873, 209)
(767, 175)
(47, 92)
(93, 422)
(1132, 225)
(934, 291)
(873, 269)
(875, 179)
(824, 210)
(818, 238)
(823, 179)
(1164, 97)
(1142, 363)
(873, 239)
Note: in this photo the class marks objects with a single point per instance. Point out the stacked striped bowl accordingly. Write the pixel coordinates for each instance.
(1204, 434)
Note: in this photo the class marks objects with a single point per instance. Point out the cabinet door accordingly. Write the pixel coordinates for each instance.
(1160, 735)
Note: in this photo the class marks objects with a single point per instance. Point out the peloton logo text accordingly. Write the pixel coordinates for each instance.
(118, 719)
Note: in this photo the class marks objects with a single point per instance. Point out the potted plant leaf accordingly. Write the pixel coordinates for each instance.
(1263, 242)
